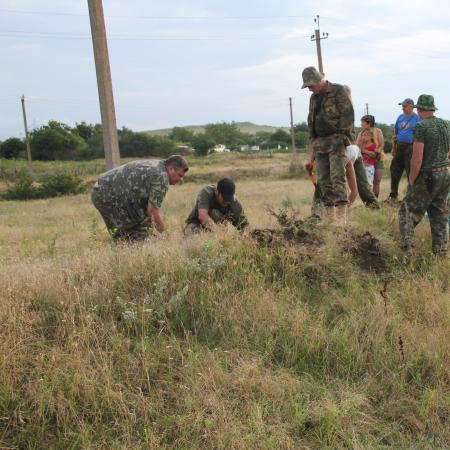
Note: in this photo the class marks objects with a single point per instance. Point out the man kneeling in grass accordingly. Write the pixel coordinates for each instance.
(216, 204)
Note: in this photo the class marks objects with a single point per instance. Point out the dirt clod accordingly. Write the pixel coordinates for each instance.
(367, 252)
(293, 231)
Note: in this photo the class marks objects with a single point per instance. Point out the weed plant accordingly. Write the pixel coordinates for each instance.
(216, 342)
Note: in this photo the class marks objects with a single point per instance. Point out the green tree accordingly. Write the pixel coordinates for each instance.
(225, 133)
(202, 143)
(181, 134)
(141, 144)
(303, 126)
(280, 137)
(85, 130)
(12, 148)
(56, 140)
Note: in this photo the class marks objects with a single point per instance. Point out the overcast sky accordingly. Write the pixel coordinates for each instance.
(181, 62)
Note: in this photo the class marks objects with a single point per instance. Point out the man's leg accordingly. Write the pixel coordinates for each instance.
(412, 210)
(379, 168)
(407, 155)
(397, 167)
(339, 182)
(364, 189)
(437, 212)
(324, 181)
(316, 207)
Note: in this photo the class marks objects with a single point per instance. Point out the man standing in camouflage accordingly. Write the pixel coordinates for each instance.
(402, 145)
(129, 197)
(429, 179)
(331, 129)
(216, 204)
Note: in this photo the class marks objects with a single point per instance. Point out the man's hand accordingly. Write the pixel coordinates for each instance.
(155, 218)
(309, 165)
(394, 148)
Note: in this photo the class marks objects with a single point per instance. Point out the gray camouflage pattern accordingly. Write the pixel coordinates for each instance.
(331, 175)
(428, 194)
(123, 194)
(330, 123)
(364, 190)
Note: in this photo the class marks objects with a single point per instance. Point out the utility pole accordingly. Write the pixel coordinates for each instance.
(27, 137)
(317, 37)
(294, 150)
(105, 91)
(367, 109)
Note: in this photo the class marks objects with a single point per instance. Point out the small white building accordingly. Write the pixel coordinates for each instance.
(220, 148)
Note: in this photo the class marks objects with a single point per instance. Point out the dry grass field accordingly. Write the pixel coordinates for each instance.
(220, 341)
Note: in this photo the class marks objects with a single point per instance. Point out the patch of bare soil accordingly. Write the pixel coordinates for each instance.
(367, 252)
(293, 231)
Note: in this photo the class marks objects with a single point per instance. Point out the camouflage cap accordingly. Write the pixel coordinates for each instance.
(311, 76)
(426, 103)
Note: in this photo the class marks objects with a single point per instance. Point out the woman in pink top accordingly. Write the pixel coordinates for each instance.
(366, 139)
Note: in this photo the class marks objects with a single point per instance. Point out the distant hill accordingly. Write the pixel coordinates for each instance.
(244, 127)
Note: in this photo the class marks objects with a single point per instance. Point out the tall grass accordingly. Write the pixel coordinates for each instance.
(216, 342)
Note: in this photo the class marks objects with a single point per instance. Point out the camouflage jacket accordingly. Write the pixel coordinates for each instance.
(134, 186)
(331, 114)
(434, 133)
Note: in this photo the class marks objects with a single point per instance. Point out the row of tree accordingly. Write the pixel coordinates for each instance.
(58, 141)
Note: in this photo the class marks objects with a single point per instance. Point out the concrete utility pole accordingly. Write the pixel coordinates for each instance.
(105, 91)
(317, 37)
(27, 136)
(294, 150)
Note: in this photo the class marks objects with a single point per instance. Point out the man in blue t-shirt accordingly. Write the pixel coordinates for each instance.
(403, 145)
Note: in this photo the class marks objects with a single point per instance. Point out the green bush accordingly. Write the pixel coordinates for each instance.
(59, 184)
(22, 189)
(26, 188)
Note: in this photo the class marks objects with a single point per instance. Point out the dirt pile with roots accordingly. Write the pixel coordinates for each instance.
(365, 249)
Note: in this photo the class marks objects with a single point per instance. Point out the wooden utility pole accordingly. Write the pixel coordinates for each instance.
(105, 91)
(27, 136)
(294, 150)
(318, 37)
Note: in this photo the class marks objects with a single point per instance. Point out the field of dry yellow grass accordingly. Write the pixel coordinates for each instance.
(220, 341)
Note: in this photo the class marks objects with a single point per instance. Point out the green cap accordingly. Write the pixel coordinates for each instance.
(311, 76)
(426, 102)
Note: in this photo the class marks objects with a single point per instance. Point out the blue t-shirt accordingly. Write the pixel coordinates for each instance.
(404, 127)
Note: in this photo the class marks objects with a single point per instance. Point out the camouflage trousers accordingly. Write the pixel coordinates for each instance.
(401, 162)
(119, 221)
(365, 191)
(330, 162)
(428, 194)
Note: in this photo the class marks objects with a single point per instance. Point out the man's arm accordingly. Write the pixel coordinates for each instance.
(351, 180)
(237, 216)
(416, 161)
(204, 219)
(155, 217)
(346, 112)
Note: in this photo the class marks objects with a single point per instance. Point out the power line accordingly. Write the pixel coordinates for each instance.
(128, 37)
(13, 11)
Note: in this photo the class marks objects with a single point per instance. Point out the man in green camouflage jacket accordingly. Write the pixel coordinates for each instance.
(129, 197)
(216, 204)
(429, 179)
(331, 129)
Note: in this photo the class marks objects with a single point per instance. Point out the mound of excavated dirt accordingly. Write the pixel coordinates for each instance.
(293, 231)
(367, 252)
